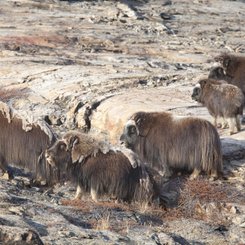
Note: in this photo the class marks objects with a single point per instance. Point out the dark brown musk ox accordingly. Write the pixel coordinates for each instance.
(233, 69)
(171, 143)
(101, 170)
(22, 144)
(222, 100)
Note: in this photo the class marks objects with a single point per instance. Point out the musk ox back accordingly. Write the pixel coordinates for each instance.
(167, 142)
(22, 144)
(222, 100)
(233, 68)
(99, 173)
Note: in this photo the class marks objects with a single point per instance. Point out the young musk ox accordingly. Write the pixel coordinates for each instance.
(233, 69)
(22, 144)
(222, 100)
(84, 161)
(167, 142)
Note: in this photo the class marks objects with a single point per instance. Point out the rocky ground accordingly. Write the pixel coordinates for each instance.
(59, 58)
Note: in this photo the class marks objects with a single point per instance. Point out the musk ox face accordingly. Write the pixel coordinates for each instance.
(196, 93)
(217, 73)
(130, 135)
(58, 155)
(224, 59)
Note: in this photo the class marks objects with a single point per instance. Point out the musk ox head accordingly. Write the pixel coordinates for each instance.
(130, 134)
(138, 127)
(217, 73)
(58, 155)
(224, 59)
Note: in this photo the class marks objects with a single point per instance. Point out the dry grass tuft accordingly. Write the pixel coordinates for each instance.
(199, 199)
(203, 200)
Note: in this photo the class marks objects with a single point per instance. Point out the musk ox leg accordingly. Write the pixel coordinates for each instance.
(232, 124)
(214, 175)
(224, 123)
(195, 173)
(94, 194)
(167, 172)
(238, 123)
(216, 122)
(78, 192)
(5, 168)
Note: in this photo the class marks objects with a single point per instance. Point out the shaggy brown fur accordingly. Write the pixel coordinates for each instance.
(169, 143)
(22, 148)
(104, 174)
(222, 100)
(234, 69)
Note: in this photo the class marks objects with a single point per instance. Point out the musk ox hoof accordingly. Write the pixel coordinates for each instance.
(192, 177)
(213, 178)
(194, 174)
(94, 195)
(76, 198)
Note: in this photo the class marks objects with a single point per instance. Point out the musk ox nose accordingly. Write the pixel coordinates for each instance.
(193, 96)
(122, 139)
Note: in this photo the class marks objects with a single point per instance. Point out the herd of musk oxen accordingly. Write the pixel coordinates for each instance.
(154, 144)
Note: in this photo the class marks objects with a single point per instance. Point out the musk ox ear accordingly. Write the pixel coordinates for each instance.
(144, 123)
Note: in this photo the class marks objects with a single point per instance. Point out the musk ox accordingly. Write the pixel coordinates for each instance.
(102, 173)
(222, 100)
(167, 142)
(22, 144)
(233, 68)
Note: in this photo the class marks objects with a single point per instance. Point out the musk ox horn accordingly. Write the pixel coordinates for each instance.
(141, 120)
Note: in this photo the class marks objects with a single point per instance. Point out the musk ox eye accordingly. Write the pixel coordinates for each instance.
(132, 130)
